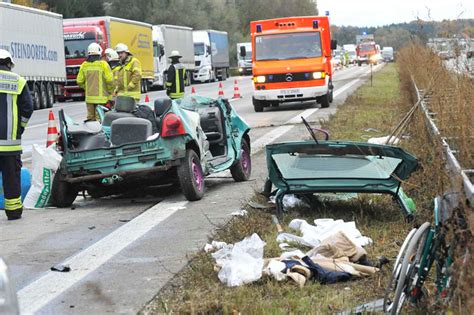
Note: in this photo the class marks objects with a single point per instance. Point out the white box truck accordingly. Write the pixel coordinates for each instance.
(211, 53)
(35, 40)
(244, 58)
(167, 38)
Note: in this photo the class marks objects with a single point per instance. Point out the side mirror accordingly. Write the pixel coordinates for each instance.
(333, 44)
(208, 50)
(162, 50)
(243, 52)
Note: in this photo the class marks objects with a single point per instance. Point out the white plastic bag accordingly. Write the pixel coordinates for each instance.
(45, 163)
(241, 264)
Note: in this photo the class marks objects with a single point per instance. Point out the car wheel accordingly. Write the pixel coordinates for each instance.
(63, 193)
(257, 105)
(43, 95)
(50, 91)
(243, 168)
(191, 176)
(36, 97)
(324, 100)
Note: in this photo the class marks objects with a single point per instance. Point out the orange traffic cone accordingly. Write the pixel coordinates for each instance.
(193, 90)
(221, 91)
(52, 130)
(147, 99)
(236, 90)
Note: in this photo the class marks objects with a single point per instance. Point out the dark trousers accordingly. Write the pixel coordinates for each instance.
(10, 166)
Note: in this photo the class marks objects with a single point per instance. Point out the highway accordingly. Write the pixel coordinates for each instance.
(123, 249)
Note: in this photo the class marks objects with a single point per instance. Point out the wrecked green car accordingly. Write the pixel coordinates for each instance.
(307, 167)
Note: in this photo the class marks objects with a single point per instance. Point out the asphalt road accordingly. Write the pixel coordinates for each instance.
(123, 249)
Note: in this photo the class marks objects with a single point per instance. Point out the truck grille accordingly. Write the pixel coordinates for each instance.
(74, 70)
(289, 77)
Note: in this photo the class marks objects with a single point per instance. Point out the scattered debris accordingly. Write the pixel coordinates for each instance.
(371, 130)
(240, 213)
(291, 201)
(124, 220)
(61, 268)
(277, 223)
(371, 307)
(215, 246)
(242, 263)
(257, 205)
(91, 227)
(383, 140)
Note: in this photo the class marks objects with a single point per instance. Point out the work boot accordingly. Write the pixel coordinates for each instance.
(14, 214)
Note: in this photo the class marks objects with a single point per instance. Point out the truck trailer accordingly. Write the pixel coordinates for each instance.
(244, 58)
(167, 38)
(107, 31)
(211, 55)
(35, 40)
(292, 61)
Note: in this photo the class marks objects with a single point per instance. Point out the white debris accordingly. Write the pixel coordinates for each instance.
(241, 263)
(275, 269)
(215, 245)
(291, 201)
(383, 140)
(313, 235)
(240, 213)
(294, 253)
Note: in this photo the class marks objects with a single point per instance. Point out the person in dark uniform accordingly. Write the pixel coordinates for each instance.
(176, 77)
(16, 108)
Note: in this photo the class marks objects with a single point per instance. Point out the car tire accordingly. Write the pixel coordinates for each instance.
(50, 91)
(242, 170)
(324, 100)
(257, 105)
(191, 176)
(43, 95)
(36, 97)
(63, 193)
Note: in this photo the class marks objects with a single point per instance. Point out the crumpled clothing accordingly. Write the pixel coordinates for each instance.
(337, 246)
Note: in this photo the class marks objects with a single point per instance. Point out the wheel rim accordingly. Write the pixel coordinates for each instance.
(245, 160)
(197, 175)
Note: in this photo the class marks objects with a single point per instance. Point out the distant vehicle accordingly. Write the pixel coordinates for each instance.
(244, 58)
(38, 54)
(337, 58)
(368, 53)
(352, 56)
(167, 38)
(387, 54)
(211, 55)
(195, 136)
(107, 31)
(292, 61)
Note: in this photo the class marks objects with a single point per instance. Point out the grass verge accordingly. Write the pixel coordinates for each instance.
(369, 112)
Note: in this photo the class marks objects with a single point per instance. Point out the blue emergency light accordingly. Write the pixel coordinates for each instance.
(259, 28)
(315, 24)
(326, 13)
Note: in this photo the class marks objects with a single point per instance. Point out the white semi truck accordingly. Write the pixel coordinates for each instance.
(34, 38)
(211, 55)
(167, 38)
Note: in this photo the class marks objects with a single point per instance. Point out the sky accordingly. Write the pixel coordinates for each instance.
(382, 12)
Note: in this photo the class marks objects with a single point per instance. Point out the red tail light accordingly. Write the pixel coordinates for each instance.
(172, 126)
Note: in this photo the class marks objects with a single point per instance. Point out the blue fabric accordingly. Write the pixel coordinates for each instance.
(324, 276)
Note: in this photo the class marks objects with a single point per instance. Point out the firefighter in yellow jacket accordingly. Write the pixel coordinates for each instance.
(130, 74)
(113, 60)
(16, 108)
(96, 78)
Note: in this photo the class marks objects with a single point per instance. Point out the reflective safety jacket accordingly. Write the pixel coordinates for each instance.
(16, 108)
(129, 78)
(95, 77)
(115, 70)
(175, 81)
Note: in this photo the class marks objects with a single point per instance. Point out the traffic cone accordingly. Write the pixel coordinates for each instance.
(52, 130)
(193, 90)
(147, 99)
(236, 90)
(221, 91)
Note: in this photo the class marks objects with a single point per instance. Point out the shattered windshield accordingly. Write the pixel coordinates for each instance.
(192, 102)
(288, 46)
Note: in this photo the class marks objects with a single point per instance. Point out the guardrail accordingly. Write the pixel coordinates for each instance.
(452, 164)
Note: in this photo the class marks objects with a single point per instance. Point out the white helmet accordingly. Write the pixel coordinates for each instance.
(5, 54)
(111, 55)
(175, 54)
(121, 47)
(94, 49)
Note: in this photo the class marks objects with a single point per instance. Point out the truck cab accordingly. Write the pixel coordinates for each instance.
(291, 61)
(211, 55)
(244, 58)
(367, 53)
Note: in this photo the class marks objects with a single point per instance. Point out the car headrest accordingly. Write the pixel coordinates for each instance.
(161, 106)
(125, 104)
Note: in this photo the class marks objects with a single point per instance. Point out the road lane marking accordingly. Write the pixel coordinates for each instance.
(39, 293)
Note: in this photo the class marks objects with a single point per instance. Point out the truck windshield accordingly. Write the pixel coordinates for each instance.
(76, 48)
(248, 56)
(198, 49)
(367, 47)
(288, 46)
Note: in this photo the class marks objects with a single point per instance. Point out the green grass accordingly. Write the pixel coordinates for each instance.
(198, 290)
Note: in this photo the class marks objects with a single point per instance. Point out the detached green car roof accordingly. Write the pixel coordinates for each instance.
(338, 166)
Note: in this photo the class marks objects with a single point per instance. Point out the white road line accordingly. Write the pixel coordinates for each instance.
(42, 291)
